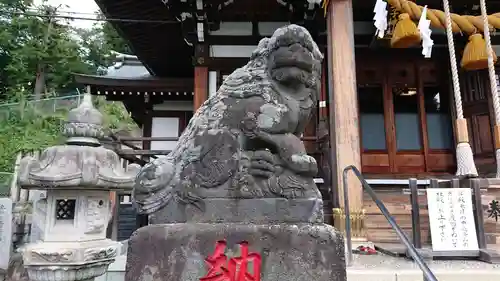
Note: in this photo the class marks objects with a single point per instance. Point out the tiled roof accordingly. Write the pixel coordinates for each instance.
(127, 66)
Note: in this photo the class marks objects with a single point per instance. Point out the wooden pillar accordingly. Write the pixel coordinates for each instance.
(147, 124)
(323, 110)
(200, 86)
(343, 106)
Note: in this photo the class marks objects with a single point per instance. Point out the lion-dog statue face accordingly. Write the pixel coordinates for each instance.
(293, 63)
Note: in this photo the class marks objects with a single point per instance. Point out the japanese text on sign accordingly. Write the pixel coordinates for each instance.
(451, 219)
(234, 269)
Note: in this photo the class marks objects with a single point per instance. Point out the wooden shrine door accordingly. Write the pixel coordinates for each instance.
(404, 116)
(477, 107)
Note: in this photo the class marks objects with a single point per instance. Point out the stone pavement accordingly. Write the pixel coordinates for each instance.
(386, 268)
(381, 268)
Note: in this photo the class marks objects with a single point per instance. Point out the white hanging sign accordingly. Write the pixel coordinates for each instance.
(380, 18)
(425, 34)
(451, 219)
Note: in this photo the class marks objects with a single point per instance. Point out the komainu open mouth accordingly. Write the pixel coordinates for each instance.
(256, 143)
(287, 63)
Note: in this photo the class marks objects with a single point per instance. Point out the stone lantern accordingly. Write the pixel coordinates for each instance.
(78, 177)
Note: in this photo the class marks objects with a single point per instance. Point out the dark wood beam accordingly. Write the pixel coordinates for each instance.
(246, 40)
(146, 84)
(144, 152)
(201, 54)
(138, 96)
(256, 18)
(439, 39)
(226, 65)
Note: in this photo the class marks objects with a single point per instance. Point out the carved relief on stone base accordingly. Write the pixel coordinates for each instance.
(98, 211)
(75, 273)
(38, 222)
(100, 253)
(66, 253)
(53, 256)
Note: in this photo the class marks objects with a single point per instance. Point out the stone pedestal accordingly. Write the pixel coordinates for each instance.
(287, 234)
(186, 251)
(258, 211)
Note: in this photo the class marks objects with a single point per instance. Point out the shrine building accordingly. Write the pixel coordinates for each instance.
(393, 109)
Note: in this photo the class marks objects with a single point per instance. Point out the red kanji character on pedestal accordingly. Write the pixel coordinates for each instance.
(217, 272)
(242, 262)
(217, 262)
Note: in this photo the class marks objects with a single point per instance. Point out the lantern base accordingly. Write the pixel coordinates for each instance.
(69, 261)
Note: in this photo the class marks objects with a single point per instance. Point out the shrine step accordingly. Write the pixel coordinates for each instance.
(386, 268)
(416, 275)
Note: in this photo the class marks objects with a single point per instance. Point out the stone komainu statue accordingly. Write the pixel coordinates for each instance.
(244, 142)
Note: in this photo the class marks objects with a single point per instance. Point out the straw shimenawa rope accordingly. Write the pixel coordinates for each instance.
(465, 159)
(493, 82)
(324, 6)
(475, 55)
(459, 24)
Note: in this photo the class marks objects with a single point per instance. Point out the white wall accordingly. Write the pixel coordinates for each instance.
(166, 127)
(212, 83)
(267, 29)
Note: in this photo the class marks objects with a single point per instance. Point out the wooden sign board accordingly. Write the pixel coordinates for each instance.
(5, 232)
(451, 220)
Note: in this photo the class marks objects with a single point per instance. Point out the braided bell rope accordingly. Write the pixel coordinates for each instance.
(459, 23)
(453, 61)
(465, 158)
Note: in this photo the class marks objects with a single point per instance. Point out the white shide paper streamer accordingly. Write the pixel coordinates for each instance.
(380, 18)
(425, 34)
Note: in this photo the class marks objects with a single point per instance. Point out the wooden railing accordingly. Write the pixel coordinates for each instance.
(136, 154)
(127, 150)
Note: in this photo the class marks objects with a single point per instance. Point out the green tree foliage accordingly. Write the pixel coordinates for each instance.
(28, 131)
(101, 42)
(112, 38)
(26, 40)
(28, 128)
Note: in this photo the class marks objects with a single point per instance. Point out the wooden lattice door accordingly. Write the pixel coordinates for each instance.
(477, 107)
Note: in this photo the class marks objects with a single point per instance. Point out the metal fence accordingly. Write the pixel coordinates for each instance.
(48, 106)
